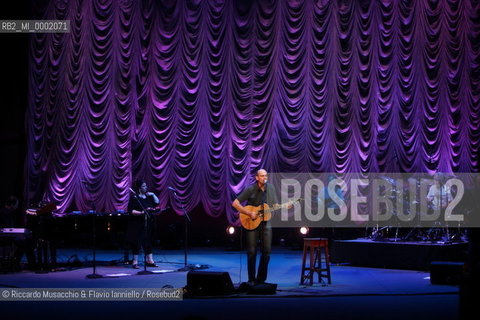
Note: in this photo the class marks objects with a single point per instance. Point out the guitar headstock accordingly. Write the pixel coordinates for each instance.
(295, 200)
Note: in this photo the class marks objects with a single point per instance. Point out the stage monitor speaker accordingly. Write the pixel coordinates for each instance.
(209, 283)
(446, 272)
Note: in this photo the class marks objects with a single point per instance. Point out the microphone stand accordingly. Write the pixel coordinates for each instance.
(94, 275)
(264, 203)
(186, 267)
(145, 230)
(264, 200)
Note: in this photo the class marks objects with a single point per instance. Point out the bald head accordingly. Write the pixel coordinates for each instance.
(261, 172)
(261, 177)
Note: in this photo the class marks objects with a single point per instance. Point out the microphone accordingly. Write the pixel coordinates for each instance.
(131, 190)
(170, 188)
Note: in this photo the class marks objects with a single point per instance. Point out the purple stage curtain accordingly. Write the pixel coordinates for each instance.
(198, 95)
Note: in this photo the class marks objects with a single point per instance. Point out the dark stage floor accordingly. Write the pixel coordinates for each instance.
(355, 292)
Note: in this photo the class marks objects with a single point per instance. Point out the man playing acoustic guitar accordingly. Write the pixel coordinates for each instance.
(258, 196)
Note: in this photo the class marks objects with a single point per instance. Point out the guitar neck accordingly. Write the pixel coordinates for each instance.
(276, 207)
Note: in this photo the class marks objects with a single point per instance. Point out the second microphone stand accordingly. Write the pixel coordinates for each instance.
(186, 266)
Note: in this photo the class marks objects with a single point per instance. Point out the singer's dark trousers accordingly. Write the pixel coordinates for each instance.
(137, 237)
(264, 234)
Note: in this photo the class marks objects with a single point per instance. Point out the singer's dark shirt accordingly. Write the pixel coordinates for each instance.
(255, 196)
(136, 227)
(147, 202)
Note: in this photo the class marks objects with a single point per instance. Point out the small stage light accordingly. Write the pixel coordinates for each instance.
(230, 230)
(304, 230)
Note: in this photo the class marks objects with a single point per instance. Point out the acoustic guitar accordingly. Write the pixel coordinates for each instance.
(264, 213)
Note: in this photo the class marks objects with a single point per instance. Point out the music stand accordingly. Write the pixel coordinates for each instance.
(93, 212)
(186, 266)
(94, 274)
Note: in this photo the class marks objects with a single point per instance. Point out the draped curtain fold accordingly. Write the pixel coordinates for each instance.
(198, 95)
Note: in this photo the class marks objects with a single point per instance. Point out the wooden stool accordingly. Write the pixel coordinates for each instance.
(318, 249)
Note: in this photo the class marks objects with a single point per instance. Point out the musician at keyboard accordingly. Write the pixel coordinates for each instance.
(9, 217)
(13, 232)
